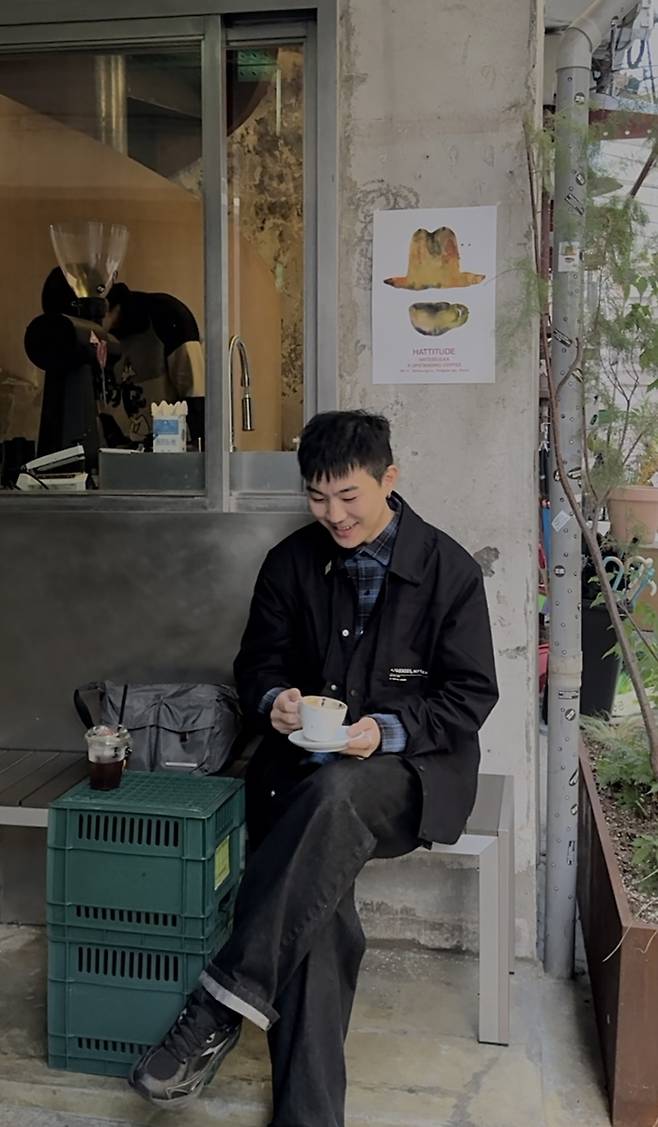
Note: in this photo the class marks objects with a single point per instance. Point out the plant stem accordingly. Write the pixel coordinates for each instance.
(640, 633)
(587, 469)
(636, 444)
(628, 655)
(588, 533)
(646, 169)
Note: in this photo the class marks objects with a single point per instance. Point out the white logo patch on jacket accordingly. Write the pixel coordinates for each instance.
(403, 673)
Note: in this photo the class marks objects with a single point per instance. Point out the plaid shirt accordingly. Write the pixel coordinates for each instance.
(367, 568)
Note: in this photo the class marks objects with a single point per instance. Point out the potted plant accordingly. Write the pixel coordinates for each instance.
(620, 414)
(618, 358)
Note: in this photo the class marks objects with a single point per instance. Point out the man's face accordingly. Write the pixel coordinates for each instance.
(353, 508)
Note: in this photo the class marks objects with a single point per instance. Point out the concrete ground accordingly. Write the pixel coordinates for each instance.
(414, 1060)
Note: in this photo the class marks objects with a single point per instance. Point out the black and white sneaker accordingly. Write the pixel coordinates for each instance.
(172, 1073)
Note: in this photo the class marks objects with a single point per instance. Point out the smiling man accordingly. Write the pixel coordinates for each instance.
(371, 606)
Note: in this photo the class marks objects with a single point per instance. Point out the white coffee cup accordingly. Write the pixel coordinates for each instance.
(321, 718)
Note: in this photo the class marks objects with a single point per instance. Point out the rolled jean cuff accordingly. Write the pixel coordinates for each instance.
(236, 998)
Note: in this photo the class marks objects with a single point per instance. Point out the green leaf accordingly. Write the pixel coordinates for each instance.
(645, 860)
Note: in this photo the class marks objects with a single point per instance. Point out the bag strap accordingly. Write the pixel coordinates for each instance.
(81, 706)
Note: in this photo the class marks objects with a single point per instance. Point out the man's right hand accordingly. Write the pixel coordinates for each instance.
(285, 716)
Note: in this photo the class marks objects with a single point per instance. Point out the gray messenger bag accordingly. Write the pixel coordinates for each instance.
(187, 728)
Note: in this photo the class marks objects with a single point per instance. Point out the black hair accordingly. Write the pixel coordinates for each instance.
(57, 296)
(171, 320)
(335, 442)
(133, 311)
(117, 294)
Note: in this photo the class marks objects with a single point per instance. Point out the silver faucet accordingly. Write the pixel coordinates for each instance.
(236, 344)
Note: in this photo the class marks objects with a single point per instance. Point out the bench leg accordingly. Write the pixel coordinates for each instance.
(507, 840)
(507, 876)
(495, 894)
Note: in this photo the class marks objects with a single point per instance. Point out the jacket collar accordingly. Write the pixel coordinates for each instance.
(408, 560)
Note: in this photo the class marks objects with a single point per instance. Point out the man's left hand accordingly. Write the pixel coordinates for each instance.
(364, 738)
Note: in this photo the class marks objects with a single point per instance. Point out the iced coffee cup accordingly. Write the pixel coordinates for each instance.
(107, 749)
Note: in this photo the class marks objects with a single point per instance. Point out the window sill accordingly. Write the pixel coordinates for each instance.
(109, 502)
(95, 501)
(274, 502)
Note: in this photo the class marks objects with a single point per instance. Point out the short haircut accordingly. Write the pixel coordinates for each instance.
(57, 296)
(336, 442)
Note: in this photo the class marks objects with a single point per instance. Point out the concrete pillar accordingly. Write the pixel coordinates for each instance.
(432, 103)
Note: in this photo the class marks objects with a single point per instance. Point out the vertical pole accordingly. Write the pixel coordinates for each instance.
(216, 274)
(578, 42)
(565, 654)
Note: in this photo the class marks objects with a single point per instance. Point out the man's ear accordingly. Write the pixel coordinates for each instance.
(389, 480)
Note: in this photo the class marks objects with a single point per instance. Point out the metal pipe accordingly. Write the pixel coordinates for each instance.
(236, 344)
(111, 101)
(565, 663)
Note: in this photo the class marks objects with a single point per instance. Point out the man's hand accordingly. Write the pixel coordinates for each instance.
(284, 716)
(364, 738)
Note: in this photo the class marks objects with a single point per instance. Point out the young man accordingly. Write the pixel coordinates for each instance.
(374, 607)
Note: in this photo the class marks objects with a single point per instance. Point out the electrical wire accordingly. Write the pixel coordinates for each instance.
(632, 65)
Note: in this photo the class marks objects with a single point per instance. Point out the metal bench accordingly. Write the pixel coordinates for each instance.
(30, 780)
(489, 836)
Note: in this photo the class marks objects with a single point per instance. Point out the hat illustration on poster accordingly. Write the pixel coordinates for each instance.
(434, 263)
(434, 318)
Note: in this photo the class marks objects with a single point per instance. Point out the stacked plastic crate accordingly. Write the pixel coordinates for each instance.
(141, 886)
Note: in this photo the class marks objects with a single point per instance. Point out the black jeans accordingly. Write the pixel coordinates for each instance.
(292, 961)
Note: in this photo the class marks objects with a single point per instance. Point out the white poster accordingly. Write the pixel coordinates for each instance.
(434, 295)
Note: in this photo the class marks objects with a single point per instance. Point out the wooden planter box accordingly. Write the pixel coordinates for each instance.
(624, 984)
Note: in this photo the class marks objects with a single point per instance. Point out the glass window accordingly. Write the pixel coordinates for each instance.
(130, 277)
(265, 163)
(102, 270)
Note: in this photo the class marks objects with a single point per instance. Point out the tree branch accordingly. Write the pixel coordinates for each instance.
(646, 169)
(588, 533)
(640, 633)
(628, 654)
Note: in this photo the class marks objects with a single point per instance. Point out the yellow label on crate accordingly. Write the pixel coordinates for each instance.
(222, 862)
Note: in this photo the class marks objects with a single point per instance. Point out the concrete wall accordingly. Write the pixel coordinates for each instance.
(432, 102)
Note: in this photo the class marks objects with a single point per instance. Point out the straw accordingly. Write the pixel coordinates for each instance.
(123, 704)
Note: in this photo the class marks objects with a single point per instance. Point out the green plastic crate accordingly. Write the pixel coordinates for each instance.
(106, 1002)
(158, 854)
(99, 1056)
(141, 929)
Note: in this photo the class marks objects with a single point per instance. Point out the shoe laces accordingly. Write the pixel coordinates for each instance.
(191, 1031)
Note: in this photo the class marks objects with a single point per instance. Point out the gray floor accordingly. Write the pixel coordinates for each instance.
(413, 1057)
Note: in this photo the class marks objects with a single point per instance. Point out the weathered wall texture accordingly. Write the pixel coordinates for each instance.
(432, 102)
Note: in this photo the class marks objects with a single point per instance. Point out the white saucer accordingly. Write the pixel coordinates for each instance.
(299, 739)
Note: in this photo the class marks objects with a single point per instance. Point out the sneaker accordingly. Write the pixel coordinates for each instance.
(171, 1074)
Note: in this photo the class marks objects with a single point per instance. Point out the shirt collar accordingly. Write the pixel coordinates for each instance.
(381, 548)
(411, 549)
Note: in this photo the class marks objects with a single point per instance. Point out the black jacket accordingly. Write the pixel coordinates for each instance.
(426, 654)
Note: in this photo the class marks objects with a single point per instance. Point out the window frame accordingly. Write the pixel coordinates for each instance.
(30, 25)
